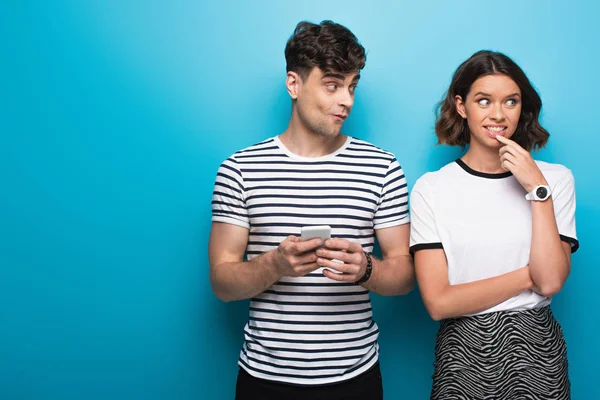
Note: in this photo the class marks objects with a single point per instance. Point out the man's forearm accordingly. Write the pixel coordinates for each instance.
(244, 279)
(392, 276)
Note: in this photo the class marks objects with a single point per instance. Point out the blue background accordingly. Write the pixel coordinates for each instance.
(114, 117)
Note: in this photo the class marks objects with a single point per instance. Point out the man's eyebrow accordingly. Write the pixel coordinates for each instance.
(340, 77)
(333, 75)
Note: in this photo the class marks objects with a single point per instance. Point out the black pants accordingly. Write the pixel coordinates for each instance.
(367, 386)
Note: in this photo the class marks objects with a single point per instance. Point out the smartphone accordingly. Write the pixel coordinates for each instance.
(322, 232)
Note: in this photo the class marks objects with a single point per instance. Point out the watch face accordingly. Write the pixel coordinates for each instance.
(541, 192)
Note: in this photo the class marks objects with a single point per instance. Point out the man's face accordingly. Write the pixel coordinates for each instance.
(324, 100)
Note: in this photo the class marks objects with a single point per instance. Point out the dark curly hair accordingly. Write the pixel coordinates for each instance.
(453, 130)
(328, 46)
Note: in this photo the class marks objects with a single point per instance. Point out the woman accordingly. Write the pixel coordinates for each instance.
(492, 235)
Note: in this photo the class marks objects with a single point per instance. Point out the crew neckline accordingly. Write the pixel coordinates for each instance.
(480, 174)
(280, 144)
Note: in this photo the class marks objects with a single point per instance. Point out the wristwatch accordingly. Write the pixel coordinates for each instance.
(539, 193)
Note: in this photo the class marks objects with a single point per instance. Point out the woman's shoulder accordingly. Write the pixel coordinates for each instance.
(551, 167)
(433, 178)
(553, 172)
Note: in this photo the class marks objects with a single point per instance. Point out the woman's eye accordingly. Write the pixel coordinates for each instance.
(484, 102)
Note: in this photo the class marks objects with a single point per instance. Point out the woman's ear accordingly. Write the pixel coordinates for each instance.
(460, 106)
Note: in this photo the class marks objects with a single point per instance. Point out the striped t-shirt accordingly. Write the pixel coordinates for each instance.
(310, 330)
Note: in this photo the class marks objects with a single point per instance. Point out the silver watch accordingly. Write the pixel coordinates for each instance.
(539, 193)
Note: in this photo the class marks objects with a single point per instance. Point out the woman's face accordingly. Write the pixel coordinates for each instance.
(492, 108)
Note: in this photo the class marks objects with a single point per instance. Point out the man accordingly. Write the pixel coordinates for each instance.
(310, 332)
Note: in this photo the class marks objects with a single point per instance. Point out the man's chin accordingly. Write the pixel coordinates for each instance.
(328, 134)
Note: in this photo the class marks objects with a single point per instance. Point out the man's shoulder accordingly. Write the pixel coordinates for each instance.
(359, 145)
(254, 152)
(264, 147)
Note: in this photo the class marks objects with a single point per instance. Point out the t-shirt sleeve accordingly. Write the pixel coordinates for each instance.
(563, 198)
(228, 202)
(392, 209)
(423, 230)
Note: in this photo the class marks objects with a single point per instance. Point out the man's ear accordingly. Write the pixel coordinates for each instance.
(292, 84)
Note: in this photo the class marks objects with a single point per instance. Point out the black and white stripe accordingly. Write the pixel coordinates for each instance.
(310, 330)
(501, 355)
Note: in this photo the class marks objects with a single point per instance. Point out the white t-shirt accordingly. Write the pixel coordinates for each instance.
(483, 223)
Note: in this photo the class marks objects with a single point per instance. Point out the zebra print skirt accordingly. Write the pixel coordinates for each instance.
(501, 355)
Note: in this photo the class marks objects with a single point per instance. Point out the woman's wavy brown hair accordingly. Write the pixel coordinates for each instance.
(453, 130)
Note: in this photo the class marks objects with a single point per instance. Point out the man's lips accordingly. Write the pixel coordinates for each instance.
(340, 117)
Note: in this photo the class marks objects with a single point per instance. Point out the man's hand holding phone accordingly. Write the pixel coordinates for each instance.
(295, 257)
(346, 257)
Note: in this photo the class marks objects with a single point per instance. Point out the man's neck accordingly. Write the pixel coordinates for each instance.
(303, 142)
